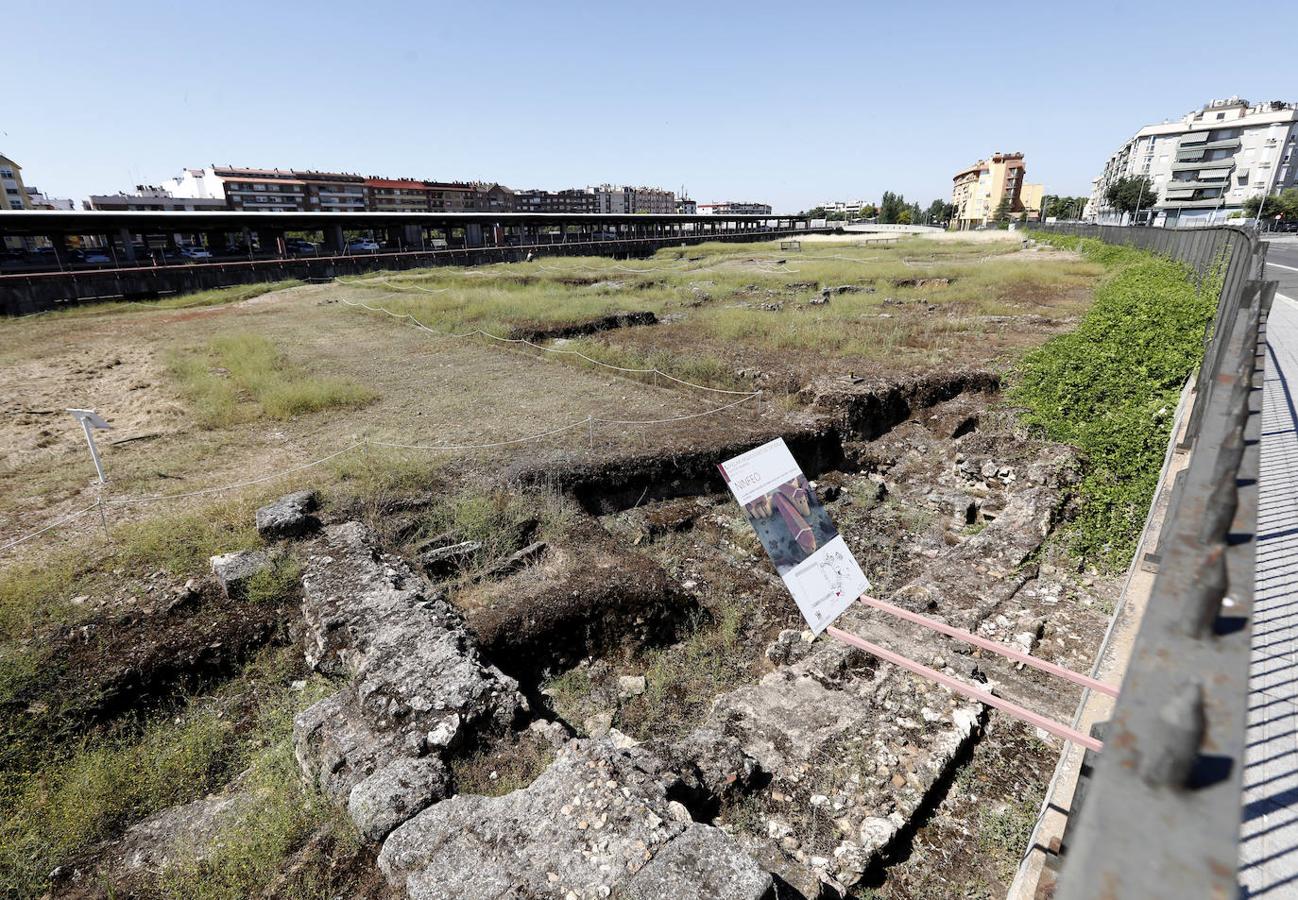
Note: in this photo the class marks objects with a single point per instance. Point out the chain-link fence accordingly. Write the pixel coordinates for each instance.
(1162, 811)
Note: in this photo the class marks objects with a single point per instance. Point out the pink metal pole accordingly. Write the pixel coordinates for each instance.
(993, 646)
(1013, 709)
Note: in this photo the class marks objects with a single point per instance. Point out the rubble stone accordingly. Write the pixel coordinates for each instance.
(596, 823)
(395, 793)
(417, 684)
(234, 570)
(289, 516)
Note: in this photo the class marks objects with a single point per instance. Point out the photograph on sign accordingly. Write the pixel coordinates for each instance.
(819, 571)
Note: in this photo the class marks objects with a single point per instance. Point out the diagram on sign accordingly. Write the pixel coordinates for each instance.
(801, 540)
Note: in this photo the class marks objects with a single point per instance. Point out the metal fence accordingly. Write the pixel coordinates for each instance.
(1161, 816)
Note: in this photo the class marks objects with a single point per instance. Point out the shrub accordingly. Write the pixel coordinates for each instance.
(1109, 388)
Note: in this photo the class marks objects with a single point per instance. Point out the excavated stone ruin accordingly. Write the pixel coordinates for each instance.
(799, 777)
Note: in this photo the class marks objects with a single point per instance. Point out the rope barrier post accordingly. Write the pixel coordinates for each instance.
(590, 427)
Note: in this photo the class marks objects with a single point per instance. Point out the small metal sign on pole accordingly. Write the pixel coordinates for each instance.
(90, 419)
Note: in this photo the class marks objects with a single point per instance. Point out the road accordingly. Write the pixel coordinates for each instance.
(1269, 833)
(1282, 265)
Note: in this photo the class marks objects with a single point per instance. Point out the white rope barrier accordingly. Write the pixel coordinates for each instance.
(127, 501)
(50, 527)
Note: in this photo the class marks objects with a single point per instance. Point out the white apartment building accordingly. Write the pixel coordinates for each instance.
(271, 190)
(154, 199)
(612, 199)
(1205, 165)
(734, 208)
(850, 207)
(40, 200)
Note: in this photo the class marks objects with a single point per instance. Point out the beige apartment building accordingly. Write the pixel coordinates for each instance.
(11, 180)
(977, 191)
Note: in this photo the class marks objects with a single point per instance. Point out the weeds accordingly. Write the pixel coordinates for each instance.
(1110, 388)
(498, 770)
(276, 583)
(250, 852)
(681, 681)
(54, 816)
(240, 377)
(716, 291)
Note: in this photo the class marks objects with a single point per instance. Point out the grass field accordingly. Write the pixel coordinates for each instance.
(237, 386)
(736, 307)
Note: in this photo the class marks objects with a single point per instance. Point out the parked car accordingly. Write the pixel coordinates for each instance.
(95, 256)
(193, 252)
(298, 246)
(357, 245)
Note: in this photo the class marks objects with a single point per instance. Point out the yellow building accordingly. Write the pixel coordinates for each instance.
(11, 181)
(1033, 195)
(978, 191)
(15, 196)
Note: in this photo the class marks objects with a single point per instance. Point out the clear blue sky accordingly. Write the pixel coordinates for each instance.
(790, 103)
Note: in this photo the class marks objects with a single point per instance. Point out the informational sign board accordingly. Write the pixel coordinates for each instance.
(809, 555)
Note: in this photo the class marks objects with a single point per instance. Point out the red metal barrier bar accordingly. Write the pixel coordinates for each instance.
(1013, 709)
(994, 646)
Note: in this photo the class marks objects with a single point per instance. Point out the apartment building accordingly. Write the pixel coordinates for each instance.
(333, 191)
(653, 200)
(272, 190)
(687, 207)
(40, 200)
(734, 208)
(626, 199)
(569, 200)
(1204, 165)
(11, 180)
(611, 199)
(493, 198)
(978, 191)
(848, 207)
(151, 198)
(451, 196)
(397, 195)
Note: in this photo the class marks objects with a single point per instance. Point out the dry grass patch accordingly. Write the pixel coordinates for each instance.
(241, 376)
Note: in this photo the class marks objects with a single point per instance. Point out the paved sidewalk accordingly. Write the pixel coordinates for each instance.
(1269, 830)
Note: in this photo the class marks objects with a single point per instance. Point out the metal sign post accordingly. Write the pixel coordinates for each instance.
(90, 419)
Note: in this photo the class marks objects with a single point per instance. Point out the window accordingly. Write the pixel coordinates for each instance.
(15, 204)
(13, 191)
(6, 173)
(1221, 116)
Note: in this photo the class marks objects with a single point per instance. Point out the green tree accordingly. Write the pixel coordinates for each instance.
(890, 208)
(937, 213)
(1130, 194)
(869, 211)
(1001, 216)
(1060, 207)
(1283, 204)
(905, 217)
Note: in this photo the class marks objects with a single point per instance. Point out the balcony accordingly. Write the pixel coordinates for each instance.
(1196, 185)
(1216, 165)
